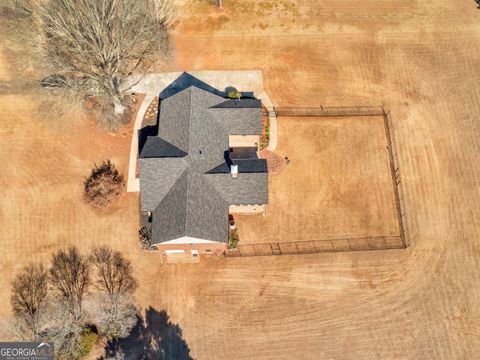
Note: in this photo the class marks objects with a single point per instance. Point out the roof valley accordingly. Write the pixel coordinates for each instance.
(193, 141)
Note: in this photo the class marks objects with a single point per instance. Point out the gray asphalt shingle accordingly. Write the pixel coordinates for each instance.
(192, 140)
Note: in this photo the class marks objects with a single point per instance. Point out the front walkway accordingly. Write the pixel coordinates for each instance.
(153, 84)
(133, 183)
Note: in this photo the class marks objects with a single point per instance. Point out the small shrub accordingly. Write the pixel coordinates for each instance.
(234, 95)
(145, 238)
(232, 239)
(88, 339)
(103, 185)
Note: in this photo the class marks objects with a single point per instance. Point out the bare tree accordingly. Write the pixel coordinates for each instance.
(114, 312)
(114, 316)
(28, 298)
(15, 8)
(96, 45)
(114, 272)
(57, 325)
(69, 276)
(63, 329)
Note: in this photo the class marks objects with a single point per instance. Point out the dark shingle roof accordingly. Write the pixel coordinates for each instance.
(207, 210)
(170, 215)
(175, 114)
(192, 208)
(239, 121)
(245, 189)
(157, 176)
(244, 166)
(242, 103)
(192, 140)
(156, 147)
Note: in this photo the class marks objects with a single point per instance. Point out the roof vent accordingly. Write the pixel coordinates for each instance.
(234, 170)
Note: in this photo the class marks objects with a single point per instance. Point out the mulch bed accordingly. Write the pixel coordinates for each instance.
(275, 162)
(150, 117)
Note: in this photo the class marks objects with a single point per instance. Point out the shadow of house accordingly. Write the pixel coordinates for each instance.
(144, 133)
(153, 338)
(186, 80)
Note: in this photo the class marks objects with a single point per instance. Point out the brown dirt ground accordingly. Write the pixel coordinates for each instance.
(337, 184)
(422, 60)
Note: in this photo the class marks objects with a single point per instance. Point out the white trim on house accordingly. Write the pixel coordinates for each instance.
(174, 252)
(188, 240)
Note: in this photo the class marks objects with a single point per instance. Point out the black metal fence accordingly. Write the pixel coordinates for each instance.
(321, 111)
(345, 244)
(318, 246)
(395, 173)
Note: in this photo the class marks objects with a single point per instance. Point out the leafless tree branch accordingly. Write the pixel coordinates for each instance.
(95, 45)
(28, 298)
(114, 272)
(69, 276)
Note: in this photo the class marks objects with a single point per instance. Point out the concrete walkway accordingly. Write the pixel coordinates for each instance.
(133, 183)
(152, 85)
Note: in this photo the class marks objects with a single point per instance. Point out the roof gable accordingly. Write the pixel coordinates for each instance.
(174, 119)
(170, 215)
(156, 147)
(157, 176)
(184, 169)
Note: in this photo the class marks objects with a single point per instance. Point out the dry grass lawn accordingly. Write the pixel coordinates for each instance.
(421, 59)
(41, 182)
(337, 185)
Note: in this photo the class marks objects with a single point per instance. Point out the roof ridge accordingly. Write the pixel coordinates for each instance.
(190, 117)
(172, 187)
(216, 120)
(184, 232)
(183, 162)
(209, 183)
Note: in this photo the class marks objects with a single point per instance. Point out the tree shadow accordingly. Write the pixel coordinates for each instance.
(152, 338)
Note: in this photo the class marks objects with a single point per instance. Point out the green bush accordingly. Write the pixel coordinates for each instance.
(232, 239)
(88, 340)
(234, 95)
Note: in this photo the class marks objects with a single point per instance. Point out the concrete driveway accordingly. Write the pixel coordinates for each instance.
(242, 80)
